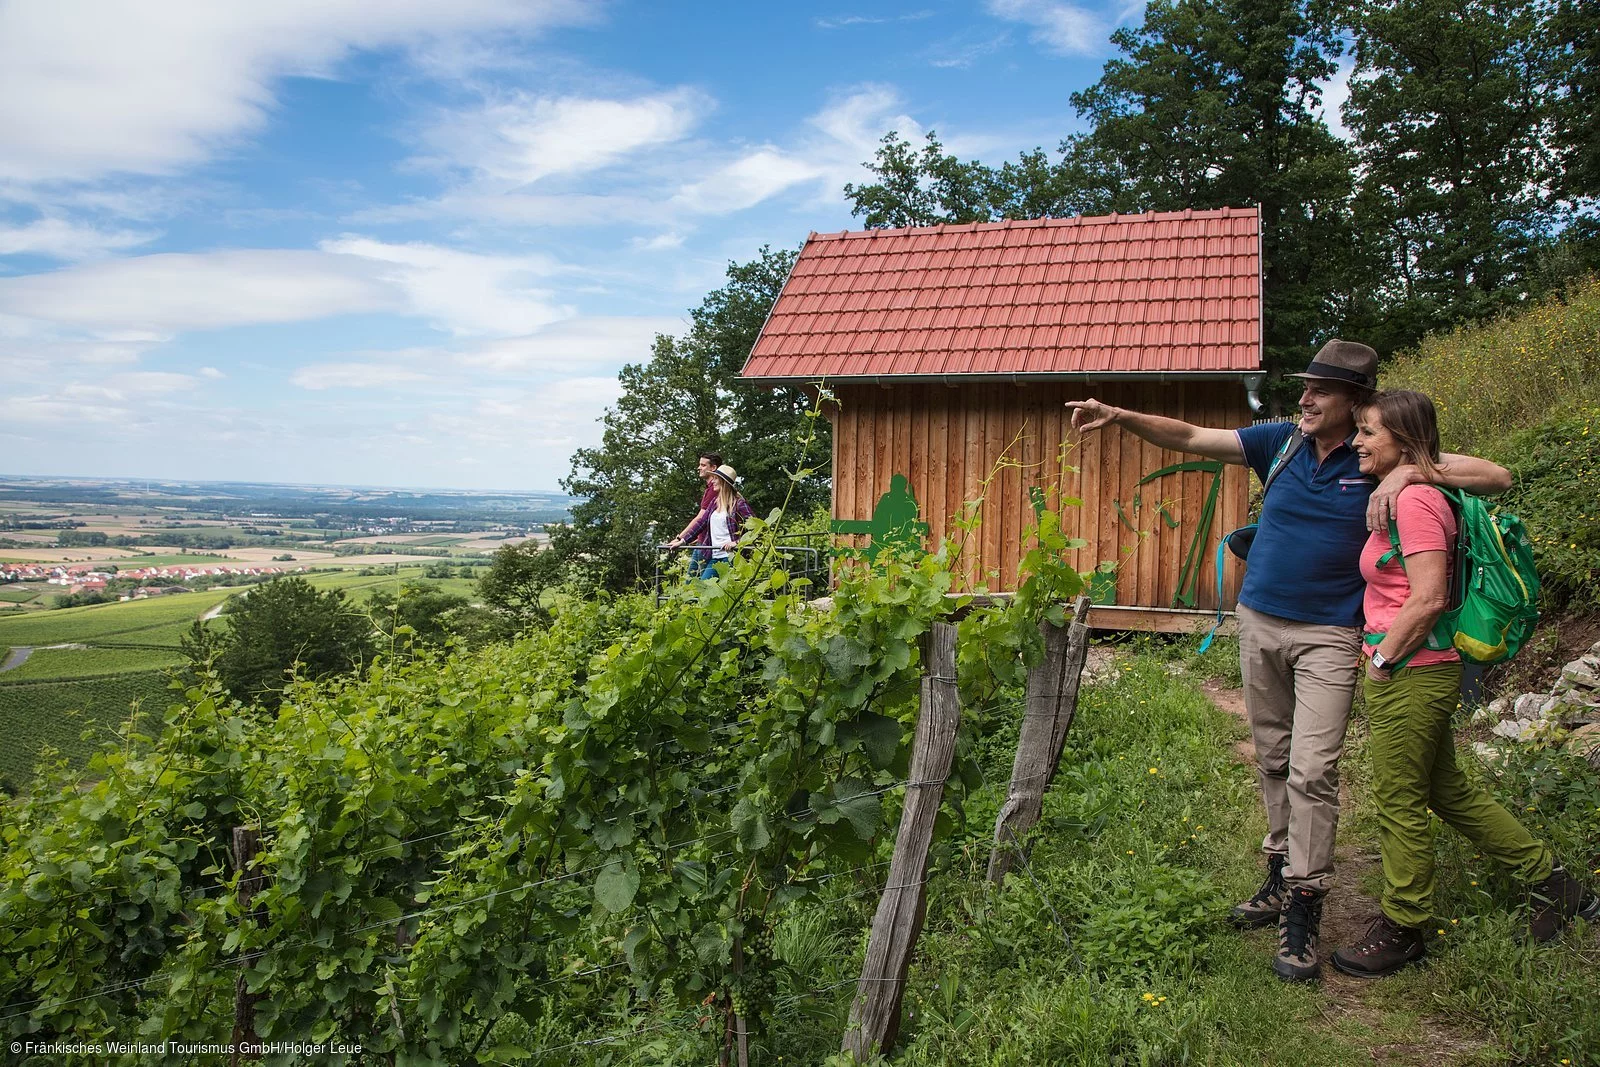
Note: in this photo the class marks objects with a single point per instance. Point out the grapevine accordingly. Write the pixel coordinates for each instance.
(455, 842)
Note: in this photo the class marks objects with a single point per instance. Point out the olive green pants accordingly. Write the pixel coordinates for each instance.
(1413, 758)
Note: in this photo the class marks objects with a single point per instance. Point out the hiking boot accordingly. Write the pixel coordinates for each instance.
(1385, 949)
(1556, 901)
(1263, 908)
(1298, 927)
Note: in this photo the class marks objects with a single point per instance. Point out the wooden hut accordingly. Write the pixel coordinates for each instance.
(951, 349)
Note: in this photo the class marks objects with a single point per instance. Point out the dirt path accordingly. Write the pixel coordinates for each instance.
(1352, 1006)
(217, 610)
(17, 658)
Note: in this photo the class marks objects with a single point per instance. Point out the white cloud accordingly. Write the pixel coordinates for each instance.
(462, 292)
(524, 139)
(552, 422)
(1066, 29)
(210, 372)
(661, 242)
(147, 297)
(963, 52)
(746, 181)
(94, 87)
(582, 346)
(577, 343)
(842, 135)
(60, 239)
(353, 376)
(522, 209)
(836, 22)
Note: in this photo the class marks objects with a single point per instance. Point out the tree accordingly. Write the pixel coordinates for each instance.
(516, 582)
(282, 624)
(1215, 104)
(1451, 110)
(426, 610)
(1209, 105)
(640, 484)
(1574, 42)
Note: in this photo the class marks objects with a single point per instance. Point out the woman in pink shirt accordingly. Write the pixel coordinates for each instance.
(1412, 689)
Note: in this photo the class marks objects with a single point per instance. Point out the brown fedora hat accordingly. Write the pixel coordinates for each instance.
(1344, 361)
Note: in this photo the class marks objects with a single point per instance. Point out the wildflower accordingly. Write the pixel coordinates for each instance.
(1130, 852)
(1154, 771)
(1440, 930)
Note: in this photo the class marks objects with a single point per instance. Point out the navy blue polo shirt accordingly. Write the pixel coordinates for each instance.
(1304, 561)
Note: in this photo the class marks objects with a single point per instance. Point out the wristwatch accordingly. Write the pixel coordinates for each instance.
(1379, 663)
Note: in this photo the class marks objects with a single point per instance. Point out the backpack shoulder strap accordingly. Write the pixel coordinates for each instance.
(1291, 445)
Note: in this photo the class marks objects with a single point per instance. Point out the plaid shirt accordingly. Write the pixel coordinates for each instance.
(700, 532)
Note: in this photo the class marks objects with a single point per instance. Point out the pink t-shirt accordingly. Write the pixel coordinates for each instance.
(1426, 525)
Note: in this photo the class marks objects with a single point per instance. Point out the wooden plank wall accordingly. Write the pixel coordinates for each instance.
(948, 439)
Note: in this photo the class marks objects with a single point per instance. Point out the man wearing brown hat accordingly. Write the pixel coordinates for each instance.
(1300, 616)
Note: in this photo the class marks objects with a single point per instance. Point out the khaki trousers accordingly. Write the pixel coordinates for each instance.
(1299, 680)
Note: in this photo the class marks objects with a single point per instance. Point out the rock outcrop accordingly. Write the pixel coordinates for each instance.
(1569, 712)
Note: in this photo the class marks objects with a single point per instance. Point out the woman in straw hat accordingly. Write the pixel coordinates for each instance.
(727, 519)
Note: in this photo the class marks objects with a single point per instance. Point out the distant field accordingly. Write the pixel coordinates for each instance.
(312, 556)
(172, 559)
(58, 713)
(134, 647)
(158, 622)
(78, 663)
(17, 596)
(51, 554)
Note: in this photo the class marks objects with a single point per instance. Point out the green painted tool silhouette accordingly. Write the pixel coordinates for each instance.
(894, 520)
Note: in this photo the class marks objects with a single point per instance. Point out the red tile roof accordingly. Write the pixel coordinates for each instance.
(1167, 292)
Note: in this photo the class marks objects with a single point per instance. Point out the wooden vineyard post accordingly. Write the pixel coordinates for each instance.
(1052, 699)
(246, 845)
(875, 1012)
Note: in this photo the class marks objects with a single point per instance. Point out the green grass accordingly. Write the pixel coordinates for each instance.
(17, 596)
(58, 714)
(1492, 380)
(1150, 830)
(170, 560)
(79, 663)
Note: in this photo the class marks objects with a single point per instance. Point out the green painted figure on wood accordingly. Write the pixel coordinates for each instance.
(894, 520)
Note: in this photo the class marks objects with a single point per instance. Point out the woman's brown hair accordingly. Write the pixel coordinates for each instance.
(1410, 419)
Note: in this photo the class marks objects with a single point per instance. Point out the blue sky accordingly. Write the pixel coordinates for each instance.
(404, 242)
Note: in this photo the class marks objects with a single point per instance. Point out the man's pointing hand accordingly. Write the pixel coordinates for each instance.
(1090, 414)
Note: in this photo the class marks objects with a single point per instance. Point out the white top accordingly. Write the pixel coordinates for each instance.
(719, 533)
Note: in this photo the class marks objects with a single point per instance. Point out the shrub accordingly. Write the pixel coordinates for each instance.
(1493, 380)
(1556, 491)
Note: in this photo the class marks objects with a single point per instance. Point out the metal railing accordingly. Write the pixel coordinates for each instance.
(800, 556)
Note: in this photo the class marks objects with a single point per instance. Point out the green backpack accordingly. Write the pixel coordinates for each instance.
(1494, 592)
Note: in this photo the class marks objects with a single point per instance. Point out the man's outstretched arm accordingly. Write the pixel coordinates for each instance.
(1180, 436)
(1470, 473)
(692, 529)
